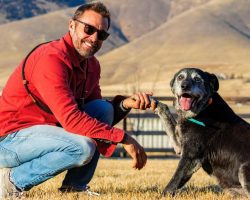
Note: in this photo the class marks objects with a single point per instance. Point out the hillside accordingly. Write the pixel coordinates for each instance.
(215, 37)
(21, 9)
(130, 20)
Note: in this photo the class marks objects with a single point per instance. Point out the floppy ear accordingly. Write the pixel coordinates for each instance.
(214, 82)
(172, 82)
(173, 79)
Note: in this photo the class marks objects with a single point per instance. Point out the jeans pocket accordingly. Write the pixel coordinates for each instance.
(8, 158)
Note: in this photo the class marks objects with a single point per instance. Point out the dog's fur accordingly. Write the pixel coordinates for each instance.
(219, 141)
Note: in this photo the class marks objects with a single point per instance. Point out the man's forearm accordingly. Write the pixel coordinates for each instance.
(120, 112)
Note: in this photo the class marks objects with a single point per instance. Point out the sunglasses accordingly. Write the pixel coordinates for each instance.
(90, 30)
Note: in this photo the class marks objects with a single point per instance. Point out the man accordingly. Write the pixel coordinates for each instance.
(52, 117)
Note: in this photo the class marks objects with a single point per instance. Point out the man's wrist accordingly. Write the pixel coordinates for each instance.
(125, 109)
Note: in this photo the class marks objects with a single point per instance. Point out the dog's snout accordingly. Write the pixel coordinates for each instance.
(185, 85)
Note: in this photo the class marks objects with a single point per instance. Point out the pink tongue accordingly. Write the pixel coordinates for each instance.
(186, 103)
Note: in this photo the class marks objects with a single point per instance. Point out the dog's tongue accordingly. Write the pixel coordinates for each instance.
(186, 103)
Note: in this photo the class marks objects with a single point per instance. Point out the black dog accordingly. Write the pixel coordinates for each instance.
(207, 133)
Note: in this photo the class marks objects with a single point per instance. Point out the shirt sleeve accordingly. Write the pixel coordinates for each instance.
(50, 77)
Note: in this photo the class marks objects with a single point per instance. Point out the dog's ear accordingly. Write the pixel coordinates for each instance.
(214, 82)
(172, 82)
(173, 79)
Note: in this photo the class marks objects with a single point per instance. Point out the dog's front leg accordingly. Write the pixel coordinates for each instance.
(169, 123)
(183, 173)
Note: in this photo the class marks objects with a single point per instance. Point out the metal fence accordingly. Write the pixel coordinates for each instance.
(148, 130)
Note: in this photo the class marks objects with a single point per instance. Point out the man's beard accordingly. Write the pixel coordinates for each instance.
(86, 53)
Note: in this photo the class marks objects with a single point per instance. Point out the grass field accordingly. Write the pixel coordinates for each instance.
(115, 179)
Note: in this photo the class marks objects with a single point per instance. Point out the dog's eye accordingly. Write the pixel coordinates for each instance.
(197, 79)
(180, 77)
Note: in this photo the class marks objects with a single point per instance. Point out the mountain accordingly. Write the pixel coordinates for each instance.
(21, 9)
(131, 19)
(150, 40)
(214, 37)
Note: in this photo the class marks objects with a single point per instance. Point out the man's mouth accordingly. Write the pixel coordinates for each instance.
(187, 101)
(88, 44)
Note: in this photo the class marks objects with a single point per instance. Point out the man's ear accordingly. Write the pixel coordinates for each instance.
(72, 25)
(214, 82)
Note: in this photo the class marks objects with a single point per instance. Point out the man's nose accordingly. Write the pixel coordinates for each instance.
(94, 37)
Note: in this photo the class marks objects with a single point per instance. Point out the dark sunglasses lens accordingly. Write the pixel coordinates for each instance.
(89, 29)
(102, 35)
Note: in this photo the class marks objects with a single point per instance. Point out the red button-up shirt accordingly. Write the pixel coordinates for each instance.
(57, 78)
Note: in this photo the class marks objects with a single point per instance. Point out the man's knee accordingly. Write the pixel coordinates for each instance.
(107, 113)
(86, 150)
(101, 110)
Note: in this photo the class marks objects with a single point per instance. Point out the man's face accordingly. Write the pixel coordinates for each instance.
(87, 45)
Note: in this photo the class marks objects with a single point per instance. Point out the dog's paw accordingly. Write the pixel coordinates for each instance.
(235, 192)
(161, 108)
(168, 192)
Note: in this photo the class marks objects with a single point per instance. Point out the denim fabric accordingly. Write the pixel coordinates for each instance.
(40, 152)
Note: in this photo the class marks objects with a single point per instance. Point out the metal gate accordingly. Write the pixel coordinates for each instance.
(148, 130)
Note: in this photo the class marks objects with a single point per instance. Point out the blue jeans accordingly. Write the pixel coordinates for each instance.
(40, 152)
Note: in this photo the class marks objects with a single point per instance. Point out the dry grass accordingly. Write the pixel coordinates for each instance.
(115, 179)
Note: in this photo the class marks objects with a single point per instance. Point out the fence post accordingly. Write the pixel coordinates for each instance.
(123, 153)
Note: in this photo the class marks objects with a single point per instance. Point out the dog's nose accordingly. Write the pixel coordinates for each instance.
(185, 85)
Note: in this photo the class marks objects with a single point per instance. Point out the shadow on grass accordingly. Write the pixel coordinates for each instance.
(194, 189)
(122, 190)
(157, 190)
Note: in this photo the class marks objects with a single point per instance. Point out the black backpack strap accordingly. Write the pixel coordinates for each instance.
(26, 83)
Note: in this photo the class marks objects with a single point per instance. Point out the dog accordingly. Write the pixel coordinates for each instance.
(206, 134)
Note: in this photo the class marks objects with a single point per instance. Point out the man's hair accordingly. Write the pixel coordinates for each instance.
(95, 6)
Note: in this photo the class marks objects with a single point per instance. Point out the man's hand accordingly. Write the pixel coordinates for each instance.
(139, 101)
(135, 150)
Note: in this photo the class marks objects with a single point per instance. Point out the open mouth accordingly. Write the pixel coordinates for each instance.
(187, 101)
(88, 45)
